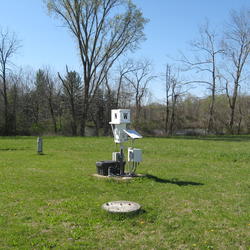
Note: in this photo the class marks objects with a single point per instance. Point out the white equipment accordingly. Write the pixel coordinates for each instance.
(116, 156)
(119, 120)
(134, 155)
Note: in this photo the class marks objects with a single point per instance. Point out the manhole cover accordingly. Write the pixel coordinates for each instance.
(121, 206)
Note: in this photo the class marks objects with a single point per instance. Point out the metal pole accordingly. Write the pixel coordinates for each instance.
(39, 145)
(121, 159)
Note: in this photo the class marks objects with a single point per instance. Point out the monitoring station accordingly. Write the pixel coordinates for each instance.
(120, 118)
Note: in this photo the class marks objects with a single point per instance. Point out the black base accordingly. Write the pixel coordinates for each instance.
(110, 168)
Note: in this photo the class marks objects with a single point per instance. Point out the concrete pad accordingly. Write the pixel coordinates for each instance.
(120, 178)
(121, 206)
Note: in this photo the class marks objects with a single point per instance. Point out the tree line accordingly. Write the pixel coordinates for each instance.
(73, 103)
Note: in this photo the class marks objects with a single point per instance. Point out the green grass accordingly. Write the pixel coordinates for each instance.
(196, 195)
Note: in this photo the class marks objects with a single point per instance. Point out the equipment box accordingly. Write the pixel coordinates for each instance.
(134, 155)
(120, 116)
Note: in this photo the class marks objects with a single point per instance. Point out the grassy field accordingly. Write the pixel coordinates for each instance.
(196, 195)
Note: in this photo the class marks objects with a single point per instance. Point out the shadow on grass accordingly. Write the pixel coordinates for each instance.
(12, 149)
(173, 181)
(40, 155)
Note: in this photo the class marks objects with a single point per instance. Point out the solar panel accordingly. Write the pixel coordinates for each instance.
(132, 133)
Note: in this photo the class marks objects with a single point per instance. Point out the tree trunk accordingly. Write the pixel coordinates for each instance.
(53, 116)
(211, 108)
(83, 124)
(73, 117)
(84, 117)
(172, 120)
(107, 113)
(239, 125)
(73, 128)
(14, 111)
(96, 122)
(167, 119)
(210, 126)
(6, 105)
(232, 106)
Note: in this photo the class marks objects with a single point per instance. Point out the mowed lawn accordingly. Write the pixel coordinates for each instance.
(196, 195)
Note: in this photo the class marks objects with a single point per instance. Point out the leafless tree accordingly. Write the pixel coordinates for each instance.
(72, 88)
(102, 37)
(114, 90)
(139, 79)
(237, 49)
(206, 62)
(175, 89)
(51, 93)
(14, 94)
(44, 100)
(124, 69)
(167, 96)
(8, 48)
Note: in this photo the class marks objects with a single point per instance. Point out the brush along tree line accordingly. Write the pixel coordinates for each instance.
(106, 31)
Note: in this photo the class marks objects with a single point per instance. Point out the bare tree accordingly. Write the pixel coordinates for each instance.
(114, 90)
(175, 89)
(167, 96)
(51, 96)
(237, 49)
(174, 97)
(100, 110)
(206, 62)
(106, 97)
(123, 70)
(8, 48)
(102, 37)
(72, 88)
(14, 94)
(44, 100)
(139, 79)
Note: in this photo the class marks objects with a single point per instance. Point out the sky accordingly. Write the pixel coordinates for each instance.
(173, 24)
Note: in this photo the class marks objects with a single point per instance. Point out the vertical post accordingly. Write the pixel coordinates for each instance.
(121, 160)
(132, 163)
(133, 141)
(39, 145)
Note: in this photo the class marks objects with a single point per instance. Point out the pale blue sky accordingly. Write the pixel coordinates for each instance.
(173, 23)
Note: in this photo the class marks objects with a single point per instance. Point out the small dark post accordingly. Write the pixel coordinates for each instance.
(121, 161)
(39, 145)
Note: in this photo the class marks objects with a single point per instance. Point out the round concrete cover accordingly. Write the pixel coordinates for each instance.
(121, 206)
